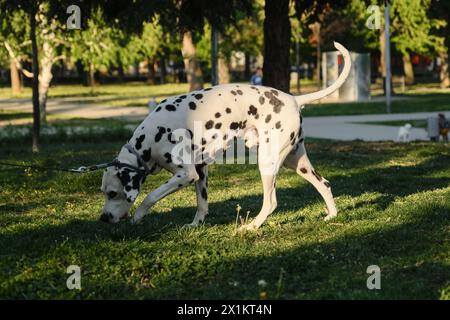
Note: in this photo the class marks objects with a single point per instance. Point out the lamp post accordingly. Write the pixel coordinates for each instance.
(214, 71)
(387, 56)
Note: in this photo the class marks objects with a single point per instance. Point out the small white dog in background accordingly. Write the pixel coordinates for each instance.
(404, 133)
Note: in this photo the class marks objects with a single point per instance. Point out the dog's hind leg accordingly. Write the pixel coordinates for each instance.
(298, 161)
(268, 171)
(201, 188)
(181, 178)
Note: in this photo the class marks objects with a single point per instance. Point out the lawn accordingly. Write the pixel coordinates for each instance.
(394, 210)
(415, 101)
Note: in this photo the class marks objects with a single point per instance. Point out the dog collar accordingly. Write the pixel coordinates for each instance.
(140, 161)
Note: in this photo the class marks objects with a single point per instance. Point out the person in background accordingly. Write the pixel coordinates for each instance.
(444, 126)
(256, 78)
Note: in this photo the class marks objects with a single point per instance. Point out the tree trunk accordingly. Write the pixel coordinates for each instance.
(45, 77)
(15, 78)
(151, 72)
(120, 73)
(163, 71)
(408, 69)
(247, 72)
(224, 71)
(35, 84)
(277, 42)
(91, 75)
(192, 66)
(444, 70)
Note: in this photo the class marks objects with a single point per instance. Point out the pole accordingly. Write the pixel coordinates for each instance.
(387, 56)
(214, 71)
(297, 63)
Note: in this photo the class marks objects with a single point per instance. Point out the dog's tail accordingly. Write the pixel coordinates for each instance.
(308, 98)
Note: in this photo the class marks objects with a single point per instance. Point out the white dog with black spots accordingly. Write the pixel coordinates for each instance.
(265, 117)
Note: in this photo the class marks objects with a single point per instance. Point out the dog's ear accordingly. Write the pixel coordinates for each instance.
(131, 182)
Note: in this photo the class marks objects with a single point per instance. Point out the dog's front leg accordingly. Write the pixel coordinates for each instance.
(201, 188)
(179, 180)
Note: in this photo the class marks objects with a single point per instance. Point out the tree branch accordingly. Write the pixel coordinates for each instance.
(16, 60)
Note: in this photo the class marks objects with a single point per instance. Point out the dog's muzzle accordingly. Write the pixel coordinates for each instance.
(106, 217)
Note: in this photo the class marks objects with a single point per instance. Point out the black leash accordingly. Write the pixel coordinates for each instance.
(79, 170)
(115, 163)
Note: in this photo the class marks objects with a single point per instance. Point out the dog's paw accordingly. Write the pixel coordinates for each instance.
(190, 225)
(135, 221)
(329, 217)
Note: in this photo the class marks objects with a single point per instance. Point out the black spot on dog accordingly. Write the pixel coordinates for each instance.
(169, 137)
(209, 124)
(275, 92)
(292, 135)
(198, 168)
(168, 157)
(146, 156)
(207, 89)
(228, 110)
(163, 101)
(252, 110)
(303, 170)
(158, 109)
(318, 176)
(178, 100)
(225, 137)
(261, 100)
(171, 107)
(273, 100)
(267, 140)
(327, 184)
(204, 194)
(217, 115)
(234, 126)
(183, 96)
(233, 92)
(161, 131)
(139, 141)
(218, 125)
(301, 119)
(198, 96)
(203, 141)
(268, 118)
(278, 125)
(180, 185)
(192, 105)
(301, 140)
(239, 92)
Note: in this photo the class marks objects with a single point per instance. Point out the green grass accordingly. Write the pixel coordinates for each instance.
(414, 102)
(394, 210)
(399, 123)
(121, 95)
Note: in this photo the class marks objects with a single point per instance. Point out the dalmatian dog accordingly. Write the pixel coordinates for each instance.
(185, 133)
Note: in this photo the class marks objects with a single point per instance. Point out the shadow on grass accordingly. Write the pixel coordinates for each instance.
(334, 268)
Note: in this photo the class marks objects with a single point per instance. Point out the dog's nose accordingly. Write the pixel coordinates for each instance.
(105, 217)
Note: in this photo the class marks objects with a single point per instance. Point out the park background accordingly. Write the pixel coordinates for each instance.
(93, 89)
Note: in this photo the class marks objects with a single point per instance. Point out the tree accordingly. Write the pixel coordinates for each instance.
(95, 45)
(14, 39)
(412, 31)
(440, 9)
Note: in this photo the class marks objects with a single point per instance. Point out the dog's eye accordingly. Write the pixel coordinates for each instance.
(111, 194)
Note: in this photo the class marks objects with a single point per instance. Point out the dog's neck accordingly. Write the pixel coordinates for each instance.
(127, 157)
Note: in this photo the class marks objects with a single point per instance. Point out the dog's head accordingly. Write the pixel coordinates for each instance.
(121, 186)
(408, 126)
